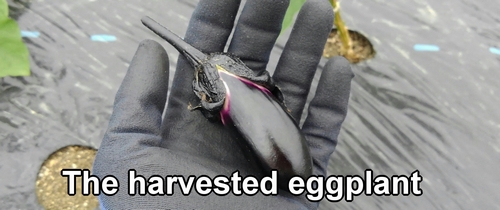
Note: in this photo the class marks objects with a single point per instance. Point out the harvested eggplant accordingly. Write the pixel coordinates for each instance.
(247, 103)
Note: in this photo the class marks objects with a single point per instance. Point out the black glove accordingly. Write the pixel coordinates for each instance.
(184, 142)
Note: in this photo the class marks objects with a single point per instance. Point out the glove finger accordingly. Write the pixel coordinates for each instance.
(209, 28)
(211, 24)
(256, 32)
(141, 98)
(327, 111)
(302, 53)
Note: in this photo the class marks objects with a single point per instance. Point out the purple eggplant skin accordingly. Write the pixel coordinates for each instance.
(269, 130)
(251, 105)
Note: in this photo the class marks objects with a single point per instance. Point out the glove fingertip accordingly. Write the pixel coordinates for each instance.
(140, 100)
(328, 110)
(341, 67)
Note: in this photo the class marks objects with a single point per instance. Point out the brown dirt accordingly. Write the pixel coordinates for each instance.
(361, 47)
(52, 188)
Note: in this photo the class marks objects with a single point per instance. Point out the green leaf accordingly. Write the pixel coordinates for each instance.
(14, 56)
(293, 8)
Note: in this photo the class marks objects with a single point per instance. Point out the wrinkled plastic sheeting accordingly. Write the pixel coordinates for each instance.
(68, 99)
(436, 112)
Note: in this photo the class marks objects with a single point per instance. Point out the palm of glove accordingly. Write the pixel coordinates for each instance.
(184, 142)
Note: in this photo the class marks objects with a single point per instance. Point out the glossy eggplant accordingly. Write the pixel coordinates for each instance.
(252, 105)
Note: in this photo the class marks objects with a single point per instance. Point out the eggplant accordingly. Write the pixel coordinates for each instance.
(252, 105)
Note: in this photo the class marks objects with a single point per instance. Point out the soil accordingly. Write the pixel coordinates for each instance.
(361, 47)
(52, 188)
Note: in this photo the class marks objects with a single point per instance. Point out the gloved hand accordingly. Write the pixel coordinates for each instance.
(184, 142)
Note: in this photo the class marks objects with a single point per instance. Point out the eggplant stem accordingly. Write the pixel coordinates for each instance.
(343, 32)
(194, 55)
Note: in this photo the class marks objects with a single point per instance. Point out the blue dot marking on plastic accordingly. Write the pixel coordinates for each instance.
(426, 47)
(103, 38)
(30, 34)
(495, 50)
